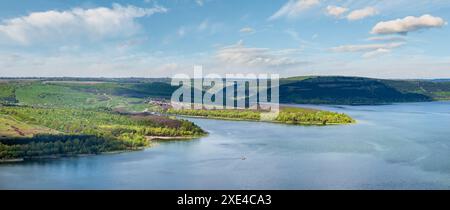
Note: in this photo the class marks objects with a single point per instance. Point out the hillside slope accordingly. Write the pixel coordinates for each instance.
(300, 90)
(350, 90)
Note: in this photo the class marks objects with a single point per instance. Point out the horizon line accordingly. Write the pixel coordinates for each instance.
(290, 77)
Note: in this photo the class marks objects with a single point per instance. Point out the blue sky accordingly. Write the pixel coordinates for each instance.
(150, 38)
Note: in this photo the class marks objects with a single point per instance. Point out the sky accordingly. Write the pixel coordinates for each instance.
(160, 38)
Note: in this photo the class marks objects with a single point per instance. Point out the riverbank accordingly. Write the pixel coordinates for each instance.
(150, 144)
(16, 160)
(168, 138)
(59, 156)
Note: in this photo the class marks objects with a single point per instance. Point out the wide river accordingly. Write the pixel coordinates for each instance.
(401, 146)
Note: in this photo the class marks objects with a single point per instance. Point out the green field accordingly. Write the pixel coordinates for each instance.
(11, 128)
(7, 93)
(75, 96)
(441, 95)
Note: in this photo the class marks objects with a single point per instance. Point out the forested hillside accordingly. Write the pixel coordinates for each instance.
(299, 90)
(354, 90)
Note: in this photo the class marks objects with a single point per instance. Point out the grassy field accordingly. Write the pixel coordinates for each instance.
(11, 128)
(76, 95)
(442, 95)
(7, 93)
(87, 122)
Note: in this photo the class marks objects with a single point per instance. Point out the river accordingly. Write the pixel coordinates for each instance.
(400, 146)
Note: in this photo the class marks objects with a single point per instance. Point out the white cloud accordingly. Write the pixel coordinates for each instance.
(362, 13)
(376, 53)
(386, 38)
(93, 23)
(369, 50)
(367, 47)
(293, 8)
(108, 63)
(336, 11)
(238, 54)
(247, 30)
(408, 24)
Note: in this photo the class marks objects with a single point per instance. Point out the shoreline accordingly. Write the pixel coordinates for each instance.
(15, 160)
(55, 157)
(168, 138)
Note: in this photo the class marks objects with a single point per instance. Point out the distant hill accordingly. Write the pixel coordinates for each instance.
(299, 90)
(358, 90)
(441, 80)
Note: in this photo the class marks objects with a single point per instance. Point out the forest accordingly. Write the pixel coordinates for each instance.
(69, 131)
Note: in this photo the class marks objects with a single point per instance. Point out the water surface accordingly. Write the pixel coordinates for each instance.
(402, 146)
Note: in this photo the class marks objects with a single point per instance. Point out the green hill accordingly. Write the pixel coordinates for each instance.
(133, 92)
(356, 90)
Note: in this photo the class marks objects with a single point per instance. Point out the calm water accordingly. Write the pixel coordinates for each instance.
(403, 146)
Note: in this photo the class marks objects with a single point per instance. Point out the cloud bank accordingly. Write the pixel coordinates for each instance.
(369, 50)
(366, 47)
(387, 38)
(377, 52)
(95, 23)
(238, 54)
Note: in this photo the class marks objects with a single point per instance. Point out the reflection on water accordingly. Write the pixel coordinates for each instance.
(404, 146)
